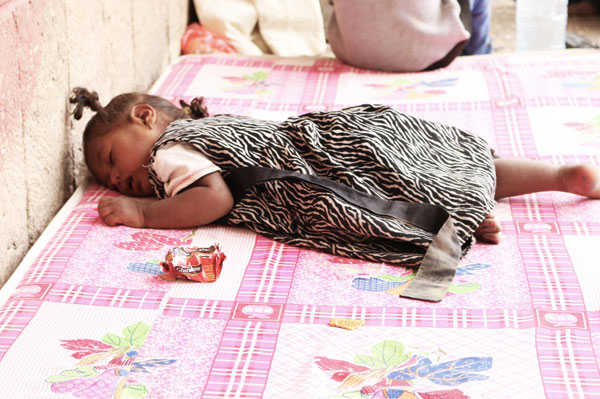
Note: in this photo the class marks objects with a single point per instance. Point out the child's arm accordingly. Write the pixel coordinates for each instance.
(205, 201)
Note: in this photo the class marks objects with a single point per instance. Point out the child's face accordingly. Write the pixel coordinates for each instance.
(118, 157)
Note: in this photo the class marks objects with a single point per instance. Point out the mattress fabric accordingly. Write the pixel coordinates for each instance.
(87, 315)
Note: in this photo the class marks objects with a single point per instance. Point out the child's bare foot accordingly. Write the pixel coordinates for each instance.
(489, 230)
(581, 179)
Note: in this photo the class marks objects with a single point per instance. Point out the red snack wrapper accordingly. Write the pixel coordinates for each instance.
(202, 264)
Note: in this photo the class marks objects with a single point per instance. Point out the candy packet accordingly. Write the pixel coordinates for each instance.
(202, 264)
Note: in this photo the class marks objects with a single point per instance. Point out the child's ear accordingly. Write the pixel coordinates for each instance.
(144, 114)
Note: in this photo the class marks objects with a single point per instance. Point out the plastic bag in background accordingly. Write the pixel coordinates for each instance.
(541, 25)
(199, 40)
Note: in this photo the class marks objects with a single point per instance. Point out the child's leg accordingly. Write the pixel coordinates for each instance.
(516, 176)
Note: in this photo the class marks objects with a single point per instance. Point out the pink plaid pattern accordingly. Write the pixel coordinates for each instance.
(594, 320)
(513, 131)
(51, 262)
(180, 77)
(105, 296)
(412, 317)
(18, 311)
(568, 363)
(533, 207)
(547, 227)
(508, 228)
(571, 159)
(14, 317)
(198, 308)
(580, 228)
(270, 272)
(422, 109)
(241, 366)
(92, 195)
(321, 85)
(499, 83)
(552, 281)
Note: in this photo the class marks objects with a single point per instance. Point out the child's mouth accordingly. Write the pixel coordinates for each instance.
(130, 185)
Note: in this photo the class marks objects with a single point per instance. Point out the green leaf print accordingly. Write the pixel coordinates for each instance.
(464, 288)
(400, 82)
(391, 277)
(112, 340)
(135, 334)
(386, 354)
(257, 76)
(79, 372)
(134, 391)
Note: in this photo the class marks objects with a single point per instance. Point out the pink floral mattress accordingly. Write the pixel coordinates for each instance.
(86, 315)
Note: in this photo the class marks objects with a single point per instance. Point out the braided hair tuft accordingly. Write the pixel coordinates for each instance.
(84, 98)
(196, 109)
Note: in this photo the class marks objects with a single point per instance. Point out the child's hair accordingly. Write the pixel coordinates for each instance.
(118, 108)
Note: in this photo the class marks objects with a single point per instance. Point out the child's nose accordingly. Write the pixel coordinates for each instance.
(114, 177)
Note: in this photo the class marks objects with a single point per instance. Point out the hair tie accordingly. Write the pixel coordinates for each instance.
(187, 110)
(195, 109)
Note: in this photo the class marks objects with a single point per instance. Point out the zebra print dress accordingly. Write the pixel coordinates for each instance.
(371, 148)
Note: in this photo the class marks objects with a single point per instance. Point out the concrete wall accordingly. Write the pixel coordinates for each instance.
(47, 47)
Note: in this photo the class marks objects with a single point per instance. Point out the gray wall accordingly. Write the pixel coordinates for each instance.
(47, 47)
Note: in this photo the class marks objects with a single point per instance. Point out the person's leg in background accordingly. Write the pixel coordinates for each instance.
(480, 41)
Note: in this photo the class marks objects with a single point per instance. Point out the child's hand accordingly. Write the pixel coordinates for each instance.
(121, 210)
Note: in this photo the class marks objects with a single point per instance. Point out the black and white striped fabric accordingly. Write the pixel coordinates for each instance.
(371, 148)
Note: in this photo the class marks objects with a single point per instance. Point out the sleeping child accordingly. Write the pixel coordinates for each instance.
(367, 181)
